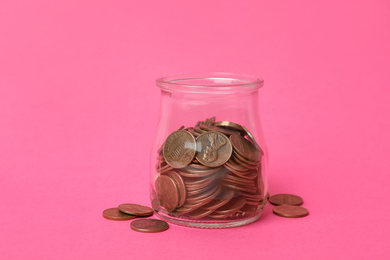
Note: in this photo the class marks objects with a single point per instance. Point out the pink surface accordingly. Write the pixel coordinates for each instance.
(78, 110)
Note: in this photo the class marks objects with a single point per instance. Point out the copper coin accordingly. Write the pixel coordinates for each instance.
(199, 213)
(232, 206)
(136, 209)
(199, 131)
(149, 225)
(222, 130)
(250, 209)
(185, 209)
(201, 201)
(191, 130)
(289, 211)
(214, 149)
(210, 121)
(196, 173)
(167, 192)
(179, 149)
(181, 187)
(193, 191)
(252, 196)
(238, 173)
(230, 125)
(286, 199)
(240, 187)
(244, 162)
(252, 138)
(198, 182)
(241, 181)
(199, 185)
(249, 176)
(115, 214)
(220, 216)
(245, 148)
(236, 166)
(206, 193)
(220, 200)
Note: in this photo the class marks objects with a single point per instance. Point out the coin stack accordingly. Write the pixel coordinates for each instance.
(209, 171)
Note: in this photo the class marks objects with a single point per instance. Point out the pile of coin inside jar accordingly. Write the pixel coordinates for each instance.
(209, 171)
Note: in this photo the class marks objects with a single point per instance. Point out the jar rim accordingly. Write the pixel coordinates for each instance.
(211, 81)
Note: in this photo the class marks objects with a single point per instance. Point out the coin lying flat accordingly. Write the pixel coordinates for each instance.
(115, 214)
(215, 149)
(179, 149)
(289, 211)
(286, 199)
(149, 225)
(136, 209)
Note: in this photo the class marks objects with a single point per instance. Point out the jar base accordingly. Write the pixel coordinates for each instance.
(208, 223)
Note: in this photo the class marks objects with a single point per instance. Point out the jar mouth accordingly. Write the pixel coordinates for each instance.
(210, 82)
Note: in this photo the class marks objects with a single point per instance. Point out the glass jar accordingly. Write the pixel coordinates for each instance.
(209, 160)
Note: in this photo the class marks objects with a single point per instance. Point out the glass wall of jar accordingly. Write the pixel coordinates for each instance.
(209, 160)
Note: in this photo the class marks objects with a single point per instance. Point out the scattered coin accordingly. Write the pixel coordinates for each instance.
(289, 211)
(136, 209)
(286, 199)
(115, 214)
(149, 225)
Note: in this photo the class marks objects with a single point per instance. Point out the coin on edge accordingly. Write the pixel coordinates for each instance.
(167, 192)
(115, 214)
(289, 211)
(136, 209)
(285, 199)
(179, 149)
(149, 225)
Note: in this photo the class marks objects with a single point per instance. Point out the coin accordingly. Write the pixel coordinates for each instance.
(115, 214)
(244, 162)
(199, 213)
(167, 192)
(231, 207)
(220, 200)
(244, 148)
(181, 187)
(230, 125)
(136, 209)
(214, 149)
(222, 130)
(289, 211)
(195, 173)
(210, 193)
(179, 149)
(149, 225)
(286, 199)
(252, 138)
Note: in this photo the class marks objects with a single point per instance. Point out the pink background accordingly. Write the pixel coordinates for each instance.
(79, 108)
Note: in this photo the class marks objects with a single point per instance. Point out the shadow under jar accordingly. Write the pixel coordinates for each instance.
(209, 160)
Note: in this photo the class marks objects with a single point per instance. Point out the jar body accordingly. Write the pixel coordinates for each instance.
(209, 160)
